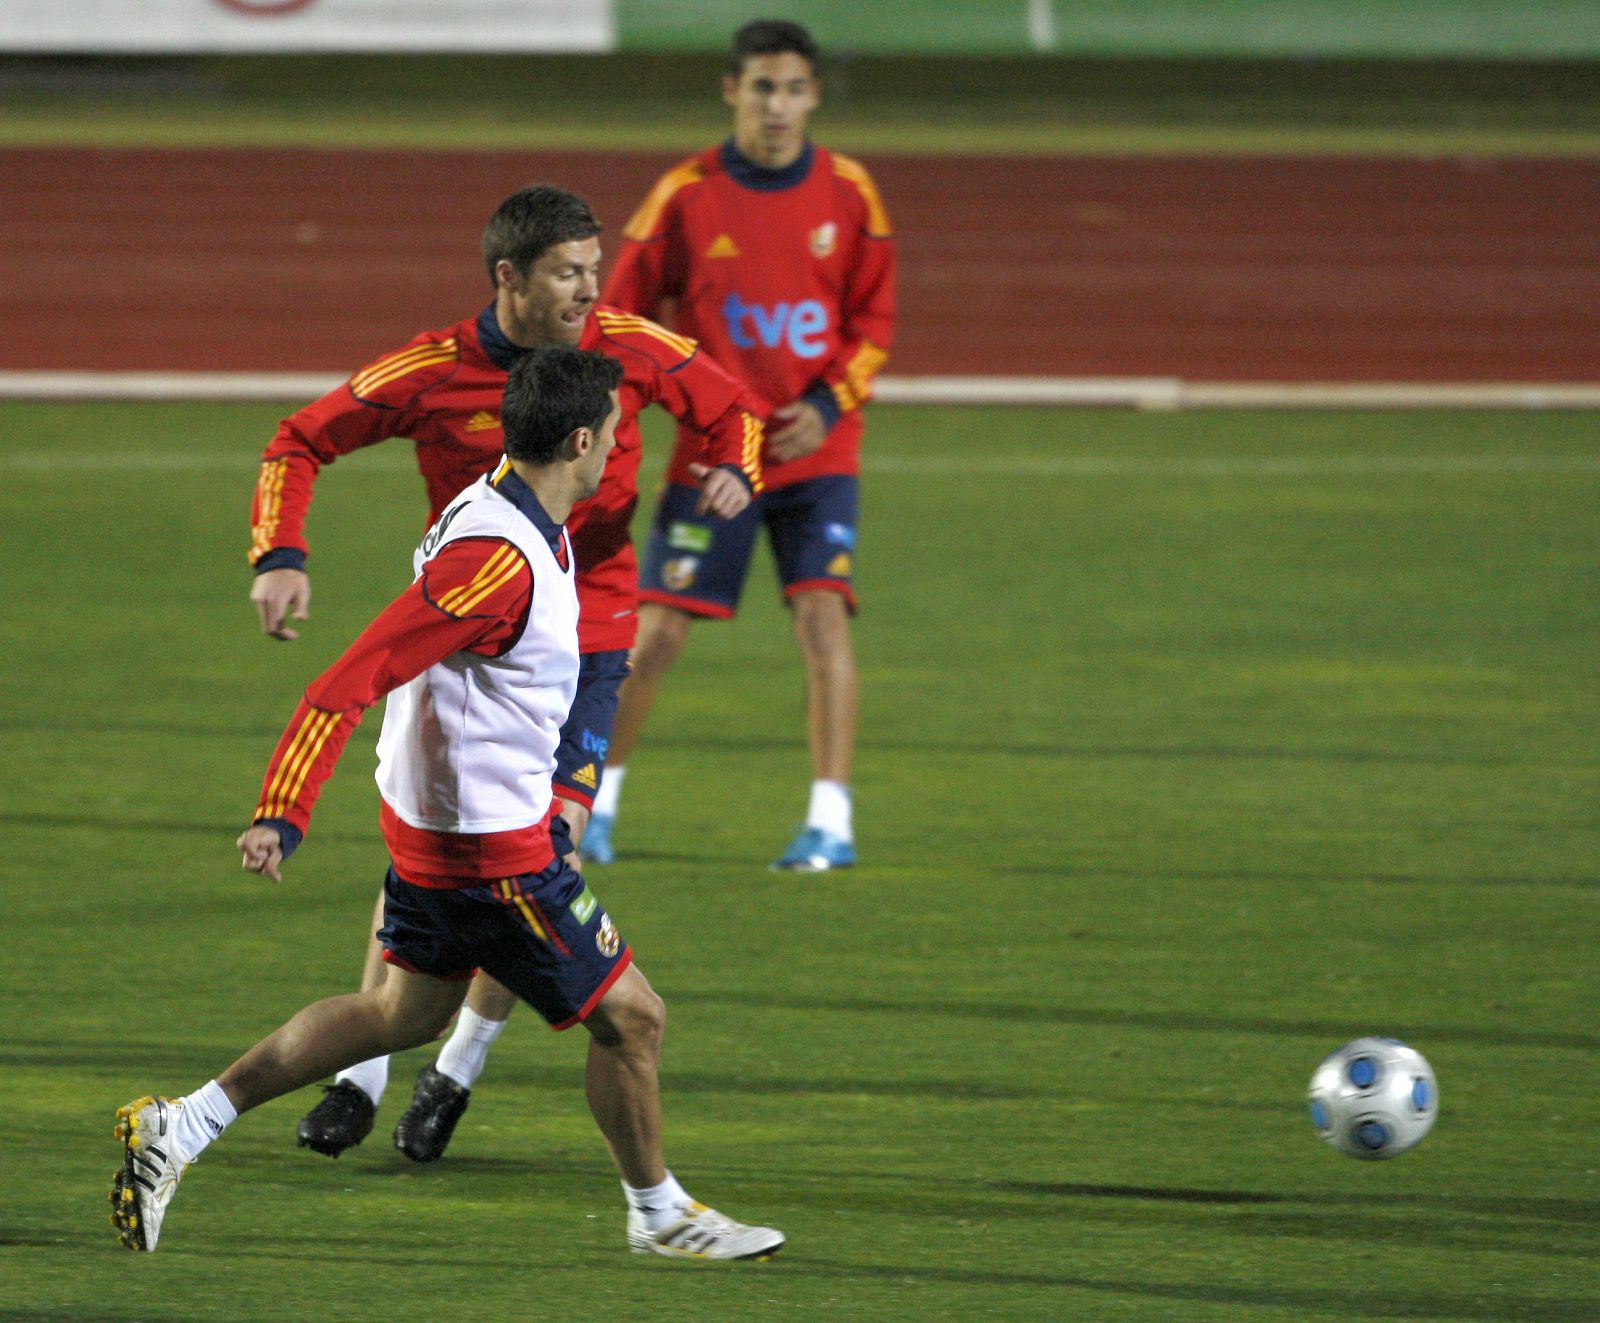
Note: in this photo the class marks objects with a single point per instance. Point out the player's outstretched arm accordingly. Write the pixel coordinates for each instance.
(722, 492)
(473, 594)
(262, 849)
(281, 595)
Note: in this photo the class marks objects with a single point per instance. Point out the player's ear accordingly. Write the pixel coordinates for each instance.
(730, 89)
(506, 275)
(580, 441)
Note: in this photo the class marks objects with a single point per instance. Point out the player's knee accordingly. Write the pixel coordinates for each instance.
(411, 1011)
(490, 998)
(415, 1027)
(821, 623)
(643, 1021)
(663, 630)
(631, 1016)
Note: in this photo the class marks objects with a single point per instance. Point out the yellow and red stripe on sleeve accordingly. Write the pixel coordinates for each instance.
(500, 569)
(402, 363)
(750, 451)
(623, 324)
(478, 577)
(645, 223)
(268, 507)
(856, 388)
(305, 757)
(853, 172)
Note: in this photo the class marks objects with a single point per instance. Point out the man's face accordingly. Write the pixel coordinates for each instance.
(772, 100)
(549, 302)
(593, 465)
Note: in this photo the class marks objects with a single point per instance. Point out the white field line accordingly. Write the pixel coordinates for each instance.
(1127, 392)
(399, 459)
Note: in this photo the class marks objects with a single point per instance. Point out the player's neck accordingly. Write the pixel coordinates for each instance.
(517, 334)
(770, 156)
(555, 486)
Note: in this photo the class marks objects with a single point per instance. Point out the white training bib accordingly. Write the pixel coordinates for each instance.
(469, 745)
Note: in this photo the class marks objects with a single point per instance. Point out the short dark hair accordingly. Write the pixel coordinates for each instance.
(771, 36)
(550, 394)
(532, 220)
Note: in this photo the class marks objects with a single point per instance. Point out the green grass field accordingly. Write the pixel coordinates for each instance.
(870, 104)
(1193, 745)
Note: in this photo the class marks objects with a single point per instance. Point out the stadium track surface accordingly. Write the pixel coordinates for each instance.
(1206, 268)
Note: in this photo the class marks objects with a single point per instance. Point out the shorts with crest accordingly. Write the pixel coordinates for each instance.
(543, 935)
(698, 563)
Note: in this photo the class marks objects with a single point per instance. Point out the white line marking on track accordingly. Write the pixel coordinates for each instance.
(1158, 393)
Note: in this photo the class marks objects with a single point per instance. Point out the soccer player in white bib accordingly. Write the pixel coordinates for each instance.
(480, 659)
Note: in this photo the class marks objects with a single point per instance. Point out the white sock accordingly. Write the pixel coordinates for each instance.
(371, 1077)
(202, 1116)
(467, 1051)
(660, 1204)
(830, 808)
(605, 799)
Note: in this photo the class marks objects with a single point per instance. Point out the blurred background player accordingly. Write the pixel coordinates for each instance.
(442, 391)
(776, 255)
(480, 655)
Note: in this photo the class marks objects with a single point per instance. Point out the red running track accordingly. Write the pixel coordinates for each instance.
(1226, 269)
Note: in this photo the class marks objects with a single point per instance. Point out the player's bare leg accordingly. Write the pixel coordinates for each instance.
(663, 631)
(161, 1137)
(822, 629)
(404, 1011)
(349, 1105)
(621, 1078)
(623, 1085)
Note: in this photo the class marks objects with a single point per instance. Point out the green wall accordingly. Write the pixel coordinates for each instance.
(1397, 29)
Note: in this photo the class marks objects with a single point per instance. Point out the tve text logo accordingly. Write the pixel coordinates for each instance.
(802, 326)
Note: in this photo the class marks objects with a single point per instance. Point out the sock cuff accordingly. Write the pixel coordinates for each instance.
(481, 1029)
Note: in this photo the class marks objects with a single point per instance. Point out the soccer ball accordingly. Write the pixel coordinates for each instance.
(1374, 1098)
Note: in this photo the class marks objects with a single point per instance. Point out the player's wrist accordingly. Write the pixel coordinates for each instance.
(289, 836)
(821, 398)
(739, 473)
(282, 558)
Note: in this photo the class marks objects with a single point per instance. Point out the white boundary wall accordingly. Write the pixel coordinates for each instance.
(103, 27)
(1125, 392)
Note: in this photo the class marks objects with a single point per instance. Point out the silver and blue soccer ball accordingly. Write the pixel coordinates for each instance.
(1374, 1098)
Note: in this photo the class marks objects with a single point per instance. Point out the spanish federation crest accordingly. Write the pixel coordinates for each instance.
(824, 239)
(678, 573)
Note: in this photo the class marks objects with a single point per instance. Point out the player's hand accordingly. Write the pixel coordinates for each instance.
(796, 430)
(262, 849)
(721, 492)
(278, 595)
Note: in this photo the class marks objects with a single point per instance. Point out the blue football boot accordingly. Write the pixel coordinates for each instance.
(816, 851)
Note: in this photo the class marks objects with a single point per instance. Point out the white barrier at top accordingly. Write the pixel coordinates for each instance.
(94, 27)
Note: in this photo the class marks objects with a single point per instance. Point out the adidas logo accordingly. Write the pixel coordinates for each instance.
(723, 246)
(482, 421)
(587, 776)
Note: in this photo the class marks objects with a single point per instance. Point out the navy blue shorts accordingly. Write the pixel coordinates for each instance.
(699, 564)
(543, 935)
(586, 733)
